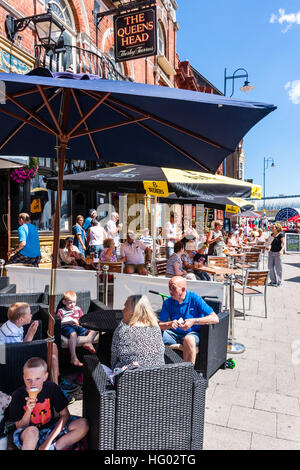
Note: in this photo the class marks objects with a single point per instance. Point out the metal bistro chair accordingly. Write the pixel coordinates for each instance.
(249, 283)
(160, 267)
(262, 250)
(250, 260)
(221, 261)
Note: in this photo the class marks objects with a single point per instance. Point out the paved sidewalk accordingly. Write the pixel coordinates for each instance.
(257, 404)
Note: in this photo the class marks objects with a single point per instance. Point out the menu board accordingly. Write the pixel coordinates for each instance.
(292, 242)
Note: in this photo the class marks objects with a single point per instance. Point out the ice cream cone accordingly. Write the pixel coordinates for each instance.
(33, 392)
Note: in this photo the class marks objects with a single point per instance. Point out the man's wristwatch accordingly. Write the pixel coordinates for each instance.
(197, 321)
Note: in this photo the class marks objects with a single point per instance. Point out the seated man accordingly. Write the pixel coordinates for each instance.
(181, 318)
(133, 255)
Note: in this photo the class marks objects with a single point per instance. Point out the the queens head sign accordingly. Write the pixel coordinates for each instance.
(135, 34)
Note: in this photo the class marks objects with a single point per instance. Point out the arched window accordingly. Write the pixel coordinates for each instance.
(63, 11)
(161, 40)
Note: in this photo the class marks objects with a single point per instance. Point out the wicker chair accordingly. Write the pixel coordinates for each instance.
(86, 304)
(12, 359)
(6, 299)
(212, 352)
(149, 408)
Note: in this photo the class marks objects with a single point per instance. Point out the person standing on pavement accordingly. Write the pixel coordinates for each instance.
(215, 239)
(170, 234)
(112, 229)
(96, 237)
(275, 256)
(88, 221)
(80, 238)
(28, 251)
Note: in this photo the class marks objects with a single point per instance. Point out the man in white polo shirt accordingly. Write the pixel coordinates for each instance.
(133, 254)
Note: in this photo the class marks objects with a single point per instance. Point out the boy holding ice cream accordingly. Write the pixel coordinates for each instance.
(33, 408)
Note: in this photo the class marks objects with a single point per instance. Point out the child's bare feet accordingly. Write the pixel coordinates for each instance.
(89, 347)
(76, 362)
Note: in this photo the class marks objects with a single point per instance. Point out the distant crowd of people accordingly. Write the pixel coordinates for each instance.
(186, 250)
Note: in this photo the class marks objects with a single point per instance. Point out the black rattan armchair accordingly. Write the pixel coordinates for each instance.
(212, 352)
(149, 408)
(12, 359)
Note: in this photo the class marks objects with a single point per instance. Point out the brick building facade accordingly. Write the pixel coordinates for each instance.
(83, 34)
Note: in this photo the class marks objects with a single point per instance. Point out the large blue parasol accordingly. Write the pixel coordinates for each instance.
(83, 117)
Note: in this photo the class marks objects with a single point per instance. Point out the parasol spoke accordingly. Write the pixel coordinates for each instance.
(169, 124)
(152, 131)
(108, 127)
(148, 129)
(89, 113)
(31, 113)
(46, 102)
(26, 121)
(20, 126)
(85, 125)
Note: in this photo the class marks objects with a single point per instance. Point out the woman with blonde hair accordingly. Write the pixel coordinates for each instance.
(138, 337)
(275, 256)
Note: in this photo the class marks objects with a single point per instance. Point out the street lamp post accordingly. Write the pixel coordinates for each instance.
(246, 87)
(266, 166)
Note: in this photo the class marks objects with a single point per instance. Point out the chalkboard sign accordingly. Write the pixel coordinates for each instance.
(292, 242)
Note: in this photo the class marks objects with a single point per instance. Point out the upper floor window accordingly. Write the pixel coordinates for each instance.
(161, 40)
(62, 10)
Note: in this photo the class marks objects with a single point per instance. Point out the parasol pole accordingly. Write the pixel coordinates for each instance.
(8, 213)
(154, 235)
(61, 149)
(56, 235)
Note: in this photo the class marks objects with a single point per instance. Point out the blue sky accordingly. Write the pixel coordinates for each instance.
(263, 38)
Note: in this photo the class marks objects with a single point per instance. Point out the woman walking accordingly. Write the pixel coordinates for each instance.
(275, 256)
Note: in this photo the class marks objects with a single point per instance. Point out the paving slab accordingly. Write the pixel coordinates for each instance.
(269, 371)
(249, 419)
(219, 438)
(277, 403)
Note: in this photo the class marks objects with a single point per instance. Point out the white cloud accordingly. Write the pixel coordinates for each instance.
(289, 19)
(293, 91)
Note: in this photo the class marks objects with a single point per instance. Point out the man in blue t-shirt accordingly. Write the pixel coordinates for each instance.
(88, 221)
(181, 318)
(28, 251)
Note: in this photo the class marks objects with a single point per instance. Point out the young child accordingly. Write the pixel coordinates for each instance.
(12, 331)
(37, 427)
(70, 327)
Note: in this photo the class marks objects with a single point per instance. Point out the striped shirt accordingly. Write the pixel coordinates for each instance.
(11, 333)
(70, 317)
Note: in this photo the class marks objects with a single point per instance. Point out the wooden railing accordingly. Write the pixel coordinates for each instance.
(78, 60)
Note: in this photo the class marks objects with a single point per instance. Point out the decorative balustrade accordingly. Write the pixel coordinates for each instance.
(78, 60)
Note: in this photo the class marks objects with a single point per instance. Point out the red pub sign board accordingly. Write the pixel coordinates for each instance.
(135, 34)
